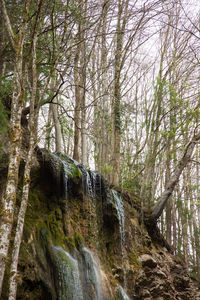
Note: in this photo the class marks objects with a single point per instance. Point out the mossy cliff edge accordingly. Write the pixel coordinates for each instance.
(83, 240)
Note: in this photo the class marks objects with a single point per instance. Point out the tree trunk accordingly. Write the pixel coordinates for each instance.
(20, 223)
(174, 222)
(121, 22)
(26, 182)
(83, 108)
(49, 128)
(76, 151)
(9, 198)
(58, 134)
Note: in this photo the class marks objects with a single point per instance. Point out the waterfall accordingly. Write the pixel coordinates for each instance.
(119, 205)
(122, 294)
(69, 284)
(63, 164)
(78, 275)
(92, 276)
(67, 172)
(77, 279)
(90, 183)
(89, 179)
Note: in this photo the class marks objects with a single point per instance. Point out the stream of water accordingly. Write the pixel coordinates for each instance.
(78, 278)
(69, 284)
(119, 205)
(122, 294)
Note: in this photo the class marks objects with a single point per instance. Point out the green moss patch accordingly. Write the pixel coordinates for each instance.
(134, 260)
(78, 240)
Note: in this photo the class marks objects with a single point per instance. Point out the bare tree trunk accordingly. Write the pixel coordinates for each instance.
(196, 220)
(121, 22)
(9, 198)
(83, 136)
(76, 151)
(26, 181)
(168, 208)
(174, 222)
(83, 108)
(58, 134)
(21, 216)
(49, 128)
(184, 219)
(22, 212)
(179, 221)
(101, 110)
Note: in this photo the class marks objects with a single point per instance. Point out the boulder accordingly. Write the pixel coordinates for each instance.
(147, 261)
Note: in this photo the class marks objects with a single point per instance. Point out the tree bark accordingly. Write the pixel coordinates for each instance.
(49, 128)
(76, 151)
(82, 75)
(15, 136)
(26, 181)
(58, 133)
(121, 23)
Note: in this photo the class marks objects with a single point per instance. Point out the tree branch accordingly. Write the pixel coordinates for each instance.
(8, 25)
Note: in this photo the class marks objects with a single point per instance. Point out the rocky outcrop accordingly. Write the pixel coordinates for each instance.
(164, 277)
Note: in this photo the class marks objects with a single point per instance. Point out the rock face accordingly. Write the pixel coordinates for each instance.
(147, 260)
(164, 277)
(84, 241)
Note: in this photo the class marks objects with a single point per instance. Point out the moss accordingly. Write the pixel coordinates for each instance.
(194, 276)
(78, 240)
(134, 260)
(56, 229)
(64, 258)
(42, 231)
(76, 215)
(70, 243)
(75, 172)
(58, 214)
(36, 209)
(72, 223)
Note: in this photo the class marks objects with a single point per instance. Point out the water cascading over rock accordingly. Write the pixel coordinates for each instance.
(78, 272)
(92, 277)
(121, 294)
(92, 186)
(68, 277)
(118, 201)
(119, 205)
(77, 278)
(69, 168)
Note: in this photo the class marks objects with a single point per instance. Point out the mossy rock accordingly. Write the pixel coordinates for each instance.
(61, 256)
(72, 223)
(75, 172)
(78, 240)
(134, 260)
(70, 243)
(58, 214)
(55, 227)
